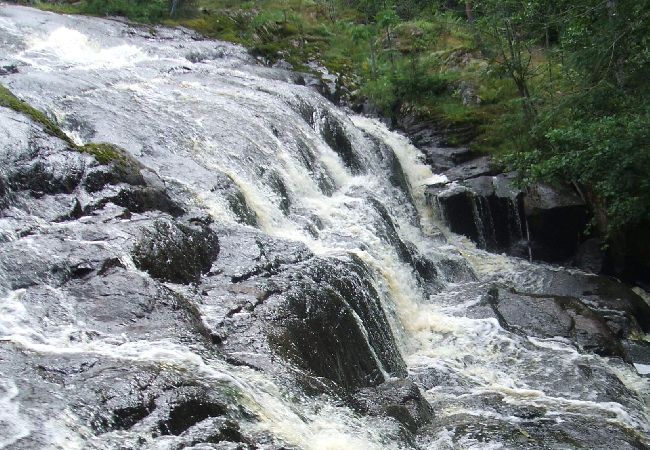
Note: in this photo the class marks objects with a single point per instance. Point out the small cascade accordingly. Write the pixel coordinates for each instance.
(487, 210)
(260, 269)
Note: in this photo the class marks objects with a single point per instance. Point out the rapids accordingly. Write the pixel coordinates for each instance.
(320, 196)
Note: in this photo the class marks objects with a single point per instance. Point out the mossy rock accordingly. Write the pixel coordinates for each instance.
(106, 153)
(9, 100)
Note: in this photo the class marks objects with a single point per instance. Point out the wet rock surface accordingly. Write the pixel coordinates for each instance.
(485, 209)
(176, 252)
(547, 317)
(322, 314)
(401, 400)
(259, 281)
(318, 326)
(556, 218)
(479, 201)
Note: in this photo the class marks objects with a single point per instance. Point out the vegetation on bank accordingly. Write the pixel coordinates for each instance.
(556, 89)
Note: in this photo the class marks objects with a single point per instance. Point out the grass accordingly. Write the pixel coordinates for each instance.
(106, 153)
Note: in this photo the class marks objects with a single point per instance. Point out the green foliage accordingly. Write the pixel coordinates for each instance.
(147, 11)
(609, 154)
(107, 153)
(139, 10)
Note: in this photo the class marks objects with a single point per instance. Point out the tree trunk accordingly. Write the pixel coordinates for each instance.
(619, 72)
(469, 11)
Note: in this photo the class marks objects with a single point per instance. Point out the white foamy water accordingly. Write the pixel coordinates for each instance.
(68, 47)
(190, 110)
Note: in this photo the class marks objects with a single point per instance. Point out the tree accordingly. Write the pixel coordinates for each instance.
(510, 27)
(386, 20)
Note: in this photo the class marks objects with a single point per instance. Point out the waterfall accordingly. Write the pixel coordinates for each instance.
(332, 275)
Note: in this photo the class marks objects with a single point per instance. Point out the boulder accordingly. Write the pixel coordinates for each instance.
(331, 323)
(590, 256)
(336, 137)
(544, 223)
(99, 176)
(175, 252)
(225, 186)
(624, 311)
(485, 209)
(638, 353)
(399, 399)
(556, 218)
(545, 316)
(473, 168)
(139, 199)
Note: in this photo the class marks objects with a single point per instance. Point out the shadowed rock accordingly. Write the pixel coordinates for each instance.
(331, 323)
(336, 137)
(399, 399)
(175, 252)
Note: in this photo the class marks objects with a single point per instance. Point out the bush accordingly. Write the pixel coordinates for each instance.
(608, 156)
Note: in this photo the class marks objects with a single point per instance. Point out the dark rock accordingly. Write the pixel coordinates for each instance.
(278, 186)
(48, 174)
(628, 255)
(556, 218)
(399, 399)
(590, 256)
(139, 199)
(76, 211)
(387, 231)
(188, 407)
(114, 173)
(485, 209)
(48, 259)
(8, 69)
(543, 432)
(331, 323)
(637, 352)
(473, 168)
(235, 198)
(545, 223)
(625, 312)
(175, 252)
(547, 316)
(335, 136)
(442, 159)
(136, 306)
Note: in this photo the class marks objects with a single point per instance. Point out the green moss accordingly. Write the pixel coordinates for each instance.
(9, 100)
(106, 153)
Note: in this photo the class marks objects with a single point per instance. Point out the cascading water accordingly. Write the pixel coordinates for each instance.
(332, 275)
